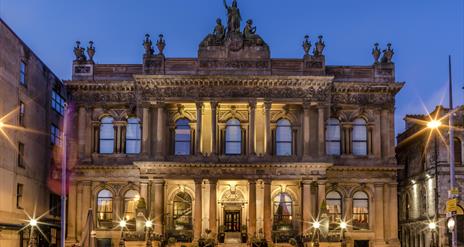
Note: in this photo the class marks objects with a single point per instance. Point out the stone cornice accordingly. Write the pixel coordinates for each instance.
(363, 87)
(364, 168)
(305, 165)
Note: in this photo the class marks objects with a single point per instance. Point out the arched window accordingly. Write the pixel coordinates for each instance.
(332, 137)
(104, 209)
(334, 208)
(359, 137)
(283, 211)
(182, 211)
(283, 138)
(133, 136)
(106, 135)
(131, 198)
(233, 137)
(182, 137)
(457, 152)
(360, 211)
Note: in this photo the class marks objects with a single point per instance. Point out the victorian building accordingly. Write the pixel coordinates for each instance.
(234, 143)
(423, 154)
(31, 109)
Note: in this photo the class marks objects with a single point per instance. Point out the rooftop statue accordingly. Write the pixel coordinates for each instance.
(91, 51)
(388, 54)
(217, 37)
(147, 45)
(306, 45)
(79, 52)
(376, 53)
(249, 34)
(161, 44)
(233, 17)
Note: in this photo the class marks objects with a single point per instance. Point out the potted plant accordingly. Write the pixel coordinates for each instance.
(221, 234)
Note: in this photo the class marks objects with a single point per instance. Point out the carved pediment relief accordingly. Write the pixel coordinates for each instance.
(179, 112)
(225, 114)
(287, 113)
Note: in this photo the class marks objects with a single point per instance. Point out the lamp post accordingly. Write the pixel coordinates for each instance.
(317, 226)
(343, 226)
(122, 225)
(148, 227)
(33, 240)
(433, 227)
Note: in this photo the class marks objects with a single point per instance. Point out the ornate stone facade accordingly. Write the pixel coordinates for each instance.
(199, 179)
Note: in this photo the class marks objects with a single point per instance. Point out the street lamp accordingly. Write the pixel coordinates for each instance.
(148, 227)
(122, 225)
(33, 241)
(343, 226)
(432, 227)
(433, 124)
(317, 226)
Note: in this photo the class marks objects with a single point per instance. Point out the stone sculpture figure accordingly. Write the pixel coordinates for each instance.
(219, 31)
(91, 51)
(388, 54)
(249, 32)
(233, 17)
(306, 45)
(79, 52)
(376, 53)
(320, 45)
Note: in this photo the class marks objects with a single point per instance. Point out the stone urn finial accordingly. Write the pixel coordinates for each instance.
(306, 45)
(79, 52)
(376, 53)
(320, 45)
(147, 45)
(91, 51)
(161, 44)
(388, 54)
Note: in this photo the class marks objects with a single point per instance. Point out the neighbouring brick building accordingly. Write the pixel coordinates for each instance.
(31, 104)
(424, 178)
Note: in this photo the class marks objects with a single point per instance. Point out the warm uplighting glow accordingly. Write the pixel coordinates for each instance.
(451, 224)
(148, 224)
(317, 224)
(343, 225)
(1, 124)
(433, 124)
(122, 223)
(432, 225)
(137, 198)
(33, 222)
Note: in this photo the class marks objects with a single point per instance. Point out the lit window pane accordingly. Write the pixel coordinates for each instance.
(359, 137)
(233, 137)
(284, 149)
(182, 137)
(133, 136)
(283, 138)
(106, 136)
(360, 211)
(332, 137)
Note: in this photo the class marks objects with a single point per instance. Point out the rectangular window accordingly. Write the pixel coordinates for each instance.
(57, 102)
(19, 196)
(22, 73)
(21, 155)
(22, 111)
(55, 135)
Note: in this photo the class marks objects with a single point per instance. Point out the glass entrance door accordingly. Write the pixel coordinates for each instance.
(232, 221)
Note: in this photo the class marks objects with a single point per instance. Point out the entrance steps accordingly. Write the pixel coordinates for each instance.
(232, 239)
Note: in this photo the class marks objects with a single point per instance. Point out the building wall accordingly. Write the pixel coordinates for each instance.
(36, 96)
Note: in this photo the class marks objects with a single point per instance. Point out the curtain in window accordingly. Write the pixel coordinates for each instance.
(106, 135)
(133, 136)
(360, 211)
(182, 137)
(332, 137)
(283, 138)
(359, 137)
(233, 137)
(104, 206)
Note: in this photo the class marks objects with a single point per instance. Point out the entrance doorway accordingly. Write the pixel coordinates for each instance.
(232, 220)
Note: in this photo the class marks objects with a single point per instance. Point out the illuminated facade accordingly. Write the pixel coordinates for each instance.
(424, 180)
(233, 142)
(31, 108)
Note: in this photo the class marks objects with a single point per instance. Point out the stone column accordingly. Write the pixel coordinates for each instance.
(160, 132)
(214, 105)
(199, 106)
(267, 119)
(384, 133)
(96, 137)
(320, 194)
(306, 130)
(144, 191)
(251, 132)
(79, 210)
(267, 210)
(393, 213)
(213, 205)
(72, 208)
(379, 222)
(197, 217)
(146, 133)
(81, 131)
(252, 207)
(88, 134)
(321, 130)
(306, 206)
(158, 205)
